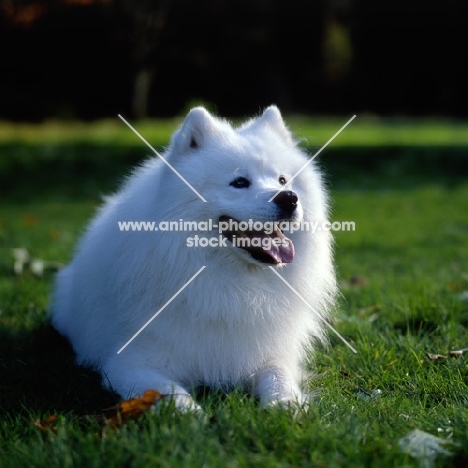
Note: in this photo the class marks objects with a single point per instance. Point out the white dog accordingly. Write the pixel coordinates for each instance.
(251, 314)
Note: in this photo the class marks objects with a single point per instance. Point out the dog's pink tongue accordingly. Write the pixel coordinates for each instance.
(283, 253)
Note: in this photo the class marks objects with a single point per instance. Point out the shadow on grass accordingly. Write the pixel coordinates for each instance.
(39, 375)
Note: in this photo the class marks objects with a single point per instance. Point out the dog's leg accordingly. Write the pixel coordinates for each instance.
(274, 385)
(133, 381)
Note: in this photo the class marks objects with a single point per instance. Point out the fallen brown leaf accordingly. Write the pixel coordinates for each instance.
(132, 409)
(113, 417)
(46, 424)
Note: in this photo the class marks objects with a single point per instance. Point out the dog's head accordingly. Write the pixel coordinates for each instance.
(253, 179)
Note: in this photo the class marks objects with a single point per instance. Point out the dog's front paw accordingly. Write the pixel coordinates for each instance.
(185, 403)
(291, 401)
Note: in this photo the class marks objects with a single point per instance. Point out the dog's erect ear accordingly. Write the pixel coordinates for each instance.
(197, 126)
(272, 117)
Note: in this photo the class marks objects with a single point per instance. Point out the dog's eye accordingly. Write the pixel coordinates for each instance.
(240, 182)
(282, 180)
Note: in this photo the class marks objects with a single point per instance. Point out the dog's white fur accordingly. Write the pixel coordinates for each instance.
(237, 323)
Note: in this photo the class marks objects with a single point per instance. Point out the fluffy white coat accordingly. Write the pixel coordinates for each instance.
(237, 323)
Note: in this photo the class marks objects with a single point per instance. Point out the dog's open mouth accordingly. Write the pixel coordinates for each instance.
(274, 248)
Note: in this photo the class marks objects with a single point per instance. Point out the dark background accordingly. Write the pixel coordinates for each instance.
(88, 59)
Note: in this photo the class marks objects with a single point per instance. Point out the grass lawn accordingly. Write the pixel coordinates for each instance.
(403, 272)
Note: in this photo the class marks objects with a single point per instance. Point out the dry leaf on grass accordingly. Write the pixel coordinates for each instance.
(425, 447)
(436, 357)
(24, 263)
(458, 352)
(46, 424)
(132, 409)
(126, 410)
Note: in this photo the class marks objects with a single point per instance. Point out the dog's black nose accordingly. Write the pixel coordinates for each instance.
(286, 201)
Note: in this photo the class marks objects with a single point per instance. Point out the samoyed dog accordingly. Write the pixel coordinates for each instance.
(252, 314)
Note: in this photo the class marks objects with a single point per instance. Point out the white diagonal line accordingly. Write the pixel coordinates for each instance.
(312, 309)
(313, 157)
(159, 155)
(161, 309)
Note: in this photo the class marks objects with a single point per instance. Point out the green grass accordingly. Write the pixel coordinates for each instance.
(363, 131)
(410, 249)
